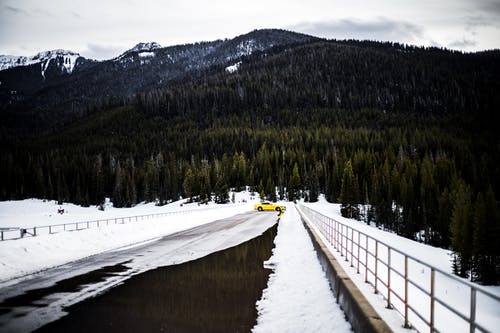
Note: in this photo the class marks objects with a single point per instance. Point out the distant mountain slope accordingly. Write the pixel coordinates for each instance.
(67, 60)
(41, 102)
(342, 75)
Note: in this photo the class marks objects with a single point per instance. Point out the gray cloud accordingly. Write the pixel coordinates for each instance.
(42, 12)
(76, 15)
(464, 43)
(379, 29)
(101, 52)
(490, 6)
(15, 10)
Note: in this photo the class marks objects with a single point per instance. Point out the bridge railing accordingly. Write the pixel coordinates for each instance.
(12, 233)
(426, 296)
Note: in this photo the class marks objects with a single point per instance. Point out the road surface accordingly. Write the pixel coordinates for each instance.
(42, 298)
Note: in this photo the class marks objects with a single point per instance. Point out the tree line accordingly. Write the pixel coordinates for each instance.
(402, 137)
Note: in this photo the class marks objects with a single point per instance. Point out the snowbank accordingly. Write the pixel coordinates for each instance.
(33, 254)
(298, 297)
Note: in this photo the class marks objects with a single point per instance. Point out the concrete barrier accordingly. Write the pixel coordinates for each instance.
(359, 312)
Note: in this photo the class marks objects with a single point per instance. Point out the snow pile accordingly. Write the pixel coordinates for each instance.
(298, 297)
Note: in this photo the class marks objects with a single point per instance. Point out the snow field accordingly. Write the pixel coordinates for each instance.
(22, 257)
(448, 290)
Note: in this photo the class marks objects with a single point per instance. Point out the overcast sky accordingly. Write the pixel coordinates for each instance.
(102, 29)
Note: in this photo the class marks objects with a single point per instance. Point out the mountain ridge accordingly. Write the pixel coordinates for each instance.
(42, 102)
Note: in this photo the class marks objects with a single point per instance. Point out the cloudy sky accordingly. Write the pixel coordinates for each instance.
(102, 29)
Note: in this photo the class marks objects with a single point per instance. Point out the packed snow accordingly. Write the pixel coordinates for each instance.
(298, 296)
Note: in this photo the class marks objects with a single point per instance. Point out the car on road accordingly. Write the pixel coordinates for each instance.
(265, 205)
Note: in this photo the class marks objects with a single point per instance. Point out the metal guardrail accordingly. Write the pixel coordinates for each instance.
(13, 233)
(379, 262)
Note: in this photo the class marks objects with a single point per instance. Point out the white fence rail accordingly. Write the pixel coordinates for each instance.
(13, 233)
(426, 296)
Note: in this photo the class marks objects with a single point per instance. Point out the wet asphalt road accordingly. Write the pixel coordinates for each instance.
(43, 297)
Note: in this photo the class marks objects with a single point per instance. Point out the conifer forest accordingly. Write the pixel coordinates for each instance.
(406, 138)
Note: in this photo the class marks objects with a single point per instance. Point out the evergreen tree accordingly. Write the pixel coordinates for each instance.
(221, 191)
(313, 186)
(349, 193)
(118, 197)
(294, 184)
(188, 184)
(485, 244)
(270, 190)
(461, 228)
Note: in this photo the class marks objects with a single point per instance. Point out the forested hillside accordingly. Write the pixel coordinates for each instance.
(410, 133)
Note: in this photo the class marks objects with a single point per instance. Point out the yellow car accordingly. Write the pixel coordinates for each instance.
(268, 206)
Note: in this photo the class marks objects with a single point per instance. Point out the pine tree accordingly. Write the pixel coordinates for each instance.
(188, 184)
(349, 193)
(270, 190)
(118, 198)
(294, 184)
(313, 186)
(479, 239)
(221, 190)
(485, 241)
(461, 228)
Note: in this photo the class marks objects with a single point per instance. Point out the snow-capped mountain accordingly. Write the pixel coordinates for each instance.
(141, 50)
(64, 59)
(41, 84)
(150, 46)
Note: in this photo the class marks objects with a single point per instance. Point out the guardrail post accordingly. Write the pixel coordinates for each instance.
(389, 306)
(1, 232)
(407, 324)
(472, 309)
(34, 231)
(376, 266)
(366, 259)
(352, 245)
(359, 245)
(431, 324)
(50, 229)
(341, 239)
